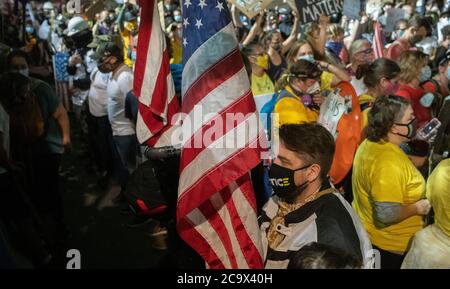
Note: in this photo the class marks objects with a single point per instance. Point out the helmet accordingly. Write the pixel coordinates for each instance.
(48, 6)
(284, 10)
(75, 25)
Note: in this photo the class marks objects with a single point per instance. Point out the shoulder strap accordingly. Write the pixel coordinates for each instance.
(122, 69)
(437, 85)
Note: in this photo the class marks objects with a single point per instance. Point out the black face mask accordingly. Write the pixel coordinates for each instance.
(412, 129)
(105, 67)
(283, 183)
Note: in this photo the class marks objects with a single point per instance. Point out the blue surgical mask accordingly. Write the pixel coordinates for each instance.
(427, 100)
(178, 18)
(448, 73)
(29, 29)
(425, 74)
(307, 57)
(24, 72)
(133, 56)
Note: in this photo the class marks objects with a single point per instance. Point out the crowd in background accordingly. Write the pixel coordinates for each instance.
(368, 184)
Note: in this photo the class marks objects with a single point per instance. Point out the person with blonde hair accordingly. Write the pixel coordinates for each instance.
(414, 72)
(331, 75)
(360, 53)
(430, 248)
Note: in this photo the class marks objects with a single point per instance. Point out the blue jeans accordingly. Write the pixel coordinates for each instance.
(128, 148)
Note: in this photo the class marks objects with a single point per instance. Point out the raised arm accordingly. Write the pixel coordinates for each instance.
(256, 29)
(287, 44)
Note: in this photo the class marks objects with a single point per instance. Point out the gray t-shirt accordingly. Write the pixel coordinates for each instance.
(48, 102)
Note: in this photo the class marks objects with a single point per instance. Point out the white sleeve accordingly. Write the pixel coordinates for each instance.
(125, 82)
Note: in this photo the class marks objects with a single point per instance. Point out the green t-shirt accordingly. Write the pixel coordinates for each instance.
(48, 102)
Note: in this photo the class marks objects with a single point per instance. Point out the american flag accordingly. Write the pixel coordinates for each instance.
(378, 47)
(153, 83)
(216, 210)
(60, 61)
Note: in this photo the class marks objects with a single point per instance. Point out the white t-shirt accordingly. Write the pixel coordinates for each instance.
(427, 45)
(117, 92)
(98, 95)
(358, 85)
(4, 130)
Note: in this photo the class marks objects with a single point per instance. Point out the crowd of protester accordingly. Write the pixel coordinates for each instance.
(367, 186)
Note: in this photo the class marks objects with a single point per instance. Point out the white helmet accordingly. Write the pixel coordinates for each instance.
(75, 25)
(48, 6)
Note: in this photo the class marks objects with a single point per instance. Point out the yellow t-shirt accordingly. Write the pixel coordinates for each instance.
(438, 193)
(326, 78)
(176, 52)
(290, 110)
(125, 34)
(365, 98)
(382, 172)
(262, 85)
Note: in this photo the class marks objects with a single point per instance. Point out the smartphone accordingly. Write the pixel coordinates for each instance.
(429, 129)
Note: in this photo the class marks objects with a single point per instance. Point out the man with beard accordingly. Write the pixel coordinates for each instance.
(305, 207)
(415, 31)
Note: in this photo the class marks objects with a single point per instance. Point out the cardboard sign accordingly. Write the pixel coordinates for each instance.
(332, 110)
(310, 10)
(352, 9)
(393, 16)
(251, 8)
(373, 8)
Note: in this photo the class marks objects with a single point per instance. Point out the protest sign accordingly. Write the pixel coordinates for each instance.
(352, 9)
(373, 8)
(332, 110)
(393, 16)
(251, 8)
(310, 10)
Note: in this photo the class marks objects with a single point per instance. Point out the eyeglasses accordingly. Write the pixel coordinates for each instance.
(367, 51)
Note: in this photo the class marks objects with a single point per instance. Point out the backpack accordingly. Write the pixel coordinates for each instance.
(143, 191)
(348, 137)
(26, 121)
(438, 98)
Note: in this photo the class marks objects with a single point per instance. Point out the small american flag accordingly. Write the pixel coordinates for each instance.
(60, 61)
(216, 210)
(378, 47)
(153, 83)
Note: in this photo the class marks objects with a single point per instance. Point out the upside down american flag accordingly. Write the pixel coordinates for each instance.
(216, 210)
(153, 83)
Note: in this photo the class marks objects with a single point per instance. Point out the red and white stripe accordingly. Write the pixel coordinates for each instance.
(216, 210)
(153, 83)
(378, 48)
